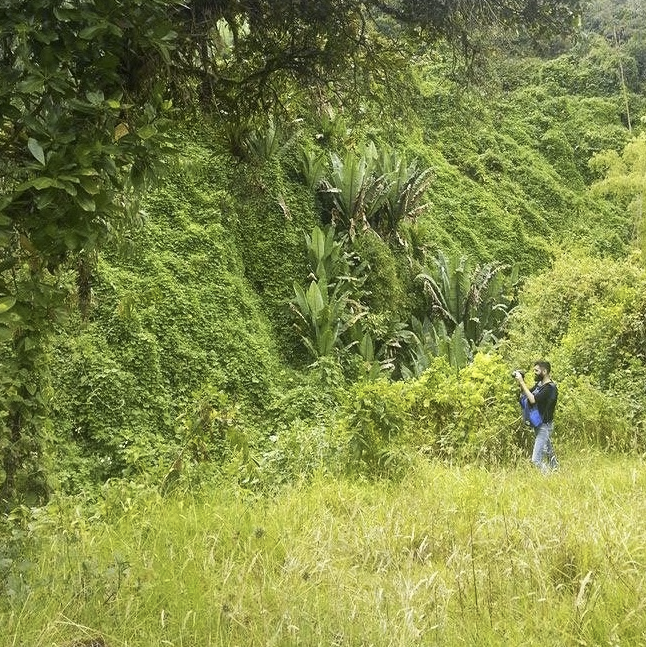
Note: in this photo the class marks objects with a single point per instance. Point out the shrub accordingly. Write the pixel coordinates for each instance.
(468, 414)
(301, 450)
(377, 418)
(465, 415)
(588, 416)
(561, 301)
(586, 315)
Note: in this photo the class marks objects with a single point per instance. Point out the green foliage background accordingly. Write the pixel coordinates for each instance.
(189, 321)
(186, 302)
(279, 367)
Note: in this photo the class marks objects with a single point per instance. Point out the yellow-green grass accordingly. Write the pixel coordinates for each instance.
(448, 556)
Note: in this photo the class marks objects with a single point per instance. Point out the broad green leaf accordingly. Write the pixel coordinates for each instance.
(5, 333)
(366, 348)
(165, 52)
(31, 84)
(90, 32)
(309, 346)
(95, 98)
(60, 85)
(115, 30)
(315, 299)
(91, 185)
(64, 14)
(147, 131)
(69, 188)
(85, 202)
(318, 243)
(45, 199)
(326, 342)
(330, 243)
(171, 35)
(6, 303)
(46, 37)
(42, 183)
(36, 150)
(301, 299)
(109, 166)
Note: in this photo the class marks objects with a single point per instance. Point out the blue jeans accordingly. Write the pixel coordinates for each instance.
(543, 447)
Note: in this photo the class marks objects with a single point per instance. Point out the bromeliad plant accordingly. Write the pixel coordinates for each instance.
(329, 306)
(379, 342)
(432, 340)
(325, 313)
(372, 190)
(406, 192)
(325, 254)
(356, 193)
(478, 298)
(313, 167)
(468, 306)
(331, 315)
(255, 142)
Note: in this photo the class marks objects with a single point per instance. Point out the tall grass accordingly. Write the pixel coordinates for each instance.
(448, 556)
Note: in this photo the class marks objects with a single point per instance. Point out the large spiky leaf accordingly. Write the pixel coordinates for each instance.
(366, 348)
(301, 300)
(406, 190)
(326, 342)
(313, 167)
(316, 299)
(436, 292)
(458, 348)
(317, 245)
(357, 194)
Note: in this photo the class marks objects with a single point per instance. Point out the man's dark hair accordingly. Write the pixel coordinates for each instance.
(544, 364)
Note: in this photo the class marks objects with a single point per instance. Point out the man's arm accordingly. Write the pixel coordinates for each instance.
(521, 382)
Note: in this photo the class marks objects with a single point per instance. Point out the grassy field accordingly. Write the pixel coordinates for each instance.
(448, 556)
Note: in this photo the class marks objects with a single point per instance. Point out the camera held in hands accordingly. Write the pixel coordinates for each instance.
(517, 372)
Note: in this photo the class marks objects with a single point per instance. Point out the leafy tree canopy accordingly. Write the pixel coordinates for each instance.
(247, 49)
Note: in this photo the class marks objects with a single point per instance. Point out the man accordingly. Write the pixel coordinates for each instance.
(543, 395)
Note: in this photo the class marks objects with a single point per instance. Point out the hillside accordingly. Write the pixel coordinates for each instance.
(196, 301)
(285, 267)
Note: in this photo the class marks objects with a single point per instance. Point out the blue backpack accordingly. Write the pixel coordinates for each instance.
(531, 414)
